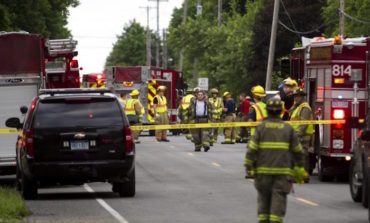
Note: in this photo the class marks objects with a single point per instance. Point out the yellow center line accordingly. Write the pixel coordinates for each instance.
(307, 202)
(191, 154)
(216, 164)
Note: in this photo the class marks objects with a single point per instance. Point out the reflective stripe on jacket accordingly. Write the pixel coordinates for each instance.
(261, 113)
(296, 116)
(217, 105)
(185, 102)
(130, 107)
(162, 104)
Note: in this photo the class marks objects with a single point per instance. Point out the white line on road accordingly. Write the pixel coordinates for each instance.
(106, 206)
(216, 164)
(191, 154)
(306, 201)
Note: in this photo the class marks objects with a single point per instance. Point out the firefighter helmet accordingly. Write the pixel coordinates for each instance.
(274, 104)
(227, 94)
(258, 91)
(196, 89)
(161, 88)
(299, 92)
(290, 82)
(214, 91)
(135, 93)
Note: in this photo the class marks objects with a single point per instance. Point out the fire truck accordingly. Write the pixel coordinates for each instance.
(147, 79)
(93, 80)
(334, 73)
(28, 63)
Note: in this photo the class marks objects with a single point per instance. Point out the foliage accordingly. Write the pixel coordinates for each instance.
(46, 17)
(12, 206)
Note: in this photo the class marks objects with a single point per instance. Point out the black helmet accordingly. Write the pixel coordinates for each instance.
(274, 104)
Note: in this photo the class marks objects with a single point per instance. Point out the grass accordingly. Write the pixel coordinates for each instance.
(12, 205)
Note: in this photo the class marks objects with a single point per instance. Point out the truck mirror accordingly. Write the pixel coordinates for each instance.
(24, 109)
(13, 123)
(365, 135)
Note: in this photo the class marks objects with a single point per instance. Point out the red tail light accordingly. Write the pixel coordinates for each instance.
(74, 64)
(338, 114)
(129, 142)
(30, 150)
(99, 77)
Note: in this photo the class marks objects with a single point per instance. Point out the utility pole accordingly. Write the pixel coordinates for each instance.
(157, 33)
(219, 12)
(270, 64)
(196, 60)
(164, 56)
(148, 37)
(181, 58)
(341, 18)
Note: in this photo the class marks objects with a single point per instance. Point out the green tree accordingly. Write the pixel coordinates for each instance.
(130, 48)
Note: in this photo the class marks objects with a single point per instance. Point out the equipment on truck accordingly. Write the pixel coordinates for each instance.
(334, 74)
(146, 80)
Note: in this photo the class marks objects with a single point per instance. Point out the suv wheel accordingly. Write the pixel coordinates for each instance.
(28, 188)
(365, 187)
(126, 189)
(354, 184)
(18, 178)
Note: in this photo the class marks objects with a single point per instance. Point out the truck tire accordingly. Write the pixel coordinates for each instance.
(152, 132)
(312, 162)
(354, 184)
(28, 188)
(321, 164)
(365, 187)
(126, 189)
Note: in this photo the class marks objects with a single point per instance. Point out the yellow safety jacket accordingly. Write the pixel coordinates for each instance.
(162, 104)
(296, 116)
(185, 102)
(130, 107)
(261, 113)
(217, 105)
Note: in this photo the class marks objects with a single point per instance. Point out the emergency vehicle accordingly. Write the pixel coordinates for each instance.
(28, 63)
(93, 80)
(146, 80)
(334, 73)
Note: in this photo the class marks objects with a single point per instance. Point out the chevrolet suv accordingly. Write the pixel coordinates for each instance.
(74, 136)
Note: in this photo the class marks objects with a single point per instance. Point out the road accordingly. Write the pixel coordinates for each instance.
(175, 184)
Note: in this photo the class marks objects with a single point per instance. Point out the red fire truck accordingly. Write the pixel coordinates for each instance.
(93, 80)
(334, 75)
(146, 79)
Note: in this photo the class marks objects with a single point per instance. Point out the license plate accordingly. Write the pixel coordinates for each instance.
(339, 104)
(80, 145)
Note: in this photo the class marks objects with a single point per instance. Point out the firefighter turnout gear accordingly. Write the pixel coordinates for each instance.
(301, 111)
(135, 111)
(230, 116)
(184, 105)
(218, 107)
(243, 113)
(200, 111)
(272, 152)
(160, 113)
(259, 109)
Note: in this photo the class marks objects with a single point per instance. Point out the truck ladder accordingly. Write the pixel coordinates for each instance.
(61, 46)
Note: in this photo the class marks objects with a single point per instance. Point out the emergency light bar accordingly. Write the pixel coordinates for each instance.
(74, 91)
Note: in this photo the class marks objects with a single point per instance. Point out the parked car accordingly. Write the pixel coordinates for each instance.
(74, 136)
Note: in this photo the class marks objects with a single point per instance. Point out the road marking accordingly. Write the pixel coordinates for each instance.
(191, 154)
(106, 206)
(251, 180)
(172, 147)
(216, 164)
(307, 202)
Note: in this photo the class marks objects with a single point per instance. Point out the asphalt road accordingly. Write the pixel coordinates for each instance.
(175, 184)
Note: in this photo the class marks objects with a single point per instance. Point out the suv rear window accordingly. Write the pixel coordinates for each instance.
(93, 112)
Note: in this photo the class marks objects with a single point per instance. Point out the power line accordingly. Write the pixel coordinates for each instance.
(353, 18)
(290, 18)
(302, 32)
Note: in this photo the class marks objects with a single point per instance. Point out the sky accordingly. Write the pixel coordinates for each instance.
(95, 24)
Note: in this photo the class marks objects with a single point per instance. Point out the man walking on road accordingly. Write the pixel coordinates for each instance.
(135, 111)
(230, 116)
(218, 108)
(272, 151)
(200, 111)
(160, 114)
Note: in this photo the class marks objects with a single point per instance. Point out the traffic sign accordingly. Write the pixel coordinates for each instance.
(203, 83)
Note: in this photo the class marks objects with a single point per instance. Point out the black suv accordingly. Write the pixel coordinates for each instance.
(74, 136)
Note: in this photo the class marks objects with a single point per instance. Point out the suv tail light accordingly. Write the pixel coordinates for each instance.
(30, 150)
(129, 142)
(338, 114)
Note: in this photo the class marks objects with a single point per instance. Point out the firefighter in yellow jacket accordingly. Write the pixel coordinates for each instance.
(301, 111)
(184, 105)
(258, 110)
(160, 114)
(218, 107)
(135, 111)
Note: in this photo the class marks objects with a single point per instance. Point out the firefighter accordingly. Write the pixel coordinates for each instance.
(286, 94)
(185, 103)
(200, 111)
(135, 111)
(243, 114)
(218, 107)
(258, 110)
(272, 151)
(160, 113)
(230, 116)
(301, 110)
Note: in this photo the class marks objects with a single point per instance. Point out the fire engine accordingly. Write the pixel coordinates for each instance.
(28, 63)
(334, 74)
(93, 80)
(147, 79)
